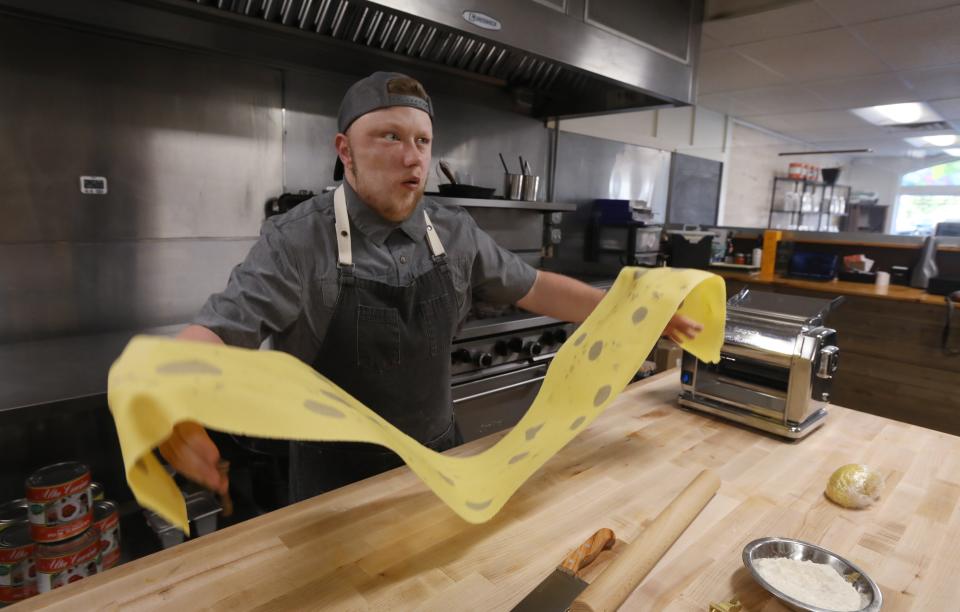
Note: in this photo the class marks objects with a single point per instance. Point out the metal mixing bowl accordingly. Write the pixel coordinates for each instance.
(804, 551)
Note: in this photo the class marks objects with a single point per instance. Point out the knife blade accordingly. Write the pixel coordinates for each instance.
(561, 587)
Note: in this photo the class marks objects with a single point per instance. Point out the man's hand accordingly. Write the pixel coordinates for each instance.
(192, 453)
(680, 329)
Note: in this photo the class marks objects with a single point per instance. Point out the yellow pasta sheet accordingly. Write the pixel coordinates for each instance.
(159, 382)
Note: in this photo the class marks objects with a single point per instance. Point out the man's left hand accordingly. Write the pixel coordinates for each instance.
(680, 329)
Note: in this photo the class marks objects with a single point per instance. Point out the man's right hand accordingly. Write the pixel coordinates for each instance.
(192, 453)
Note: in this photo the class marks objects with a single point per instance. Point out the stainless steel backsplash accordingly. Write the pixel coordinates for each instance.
(192, 146)
(589, 168)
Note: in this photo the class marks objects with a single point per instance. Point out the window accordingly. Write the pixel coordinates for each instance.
(928, 196)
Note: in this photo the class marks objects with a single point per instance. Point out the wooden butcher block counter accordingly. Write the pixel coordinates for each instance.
(389, 544)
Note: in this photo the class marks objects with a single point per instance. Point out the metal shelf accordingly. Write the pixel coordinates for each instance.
(499, 203)
(821, 193)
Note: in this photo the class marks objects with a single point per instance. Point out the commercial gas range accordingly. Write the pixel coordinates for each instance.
(499, 359)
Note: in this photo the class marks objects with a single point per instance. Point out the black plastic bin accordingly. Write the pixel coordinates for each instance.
(690, 249)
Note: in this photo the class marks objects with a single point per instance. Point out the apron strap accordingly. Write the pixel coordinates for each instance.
(342, 223)
(436, 247)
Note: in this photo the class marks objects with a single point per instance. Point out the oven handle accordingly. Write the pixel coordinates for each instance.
(499, 389)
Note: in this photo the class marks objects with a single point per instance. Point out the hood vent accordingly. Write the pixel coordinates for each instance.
(554, 64)
(541, 86)
(544, 88)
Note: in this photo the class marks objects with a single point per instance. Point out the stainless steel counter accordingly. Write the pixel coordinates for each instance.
(43, 372)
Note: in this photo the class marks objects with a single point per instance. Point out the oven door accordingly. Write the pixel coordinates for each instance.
(497, 402)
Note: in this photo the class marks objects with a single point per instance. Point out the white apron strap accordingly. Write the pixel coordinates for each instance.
(342, 221)
(436, 247)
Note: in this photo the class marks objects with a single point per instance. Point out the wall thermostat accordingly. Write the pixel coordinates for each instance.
(93, 184)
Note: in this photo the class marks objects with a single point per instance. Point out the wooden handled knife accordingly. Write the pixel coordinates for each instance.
(559, 589)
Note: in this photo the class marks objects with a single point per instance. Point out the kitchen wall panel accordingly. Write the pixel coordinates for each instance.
(192, 145)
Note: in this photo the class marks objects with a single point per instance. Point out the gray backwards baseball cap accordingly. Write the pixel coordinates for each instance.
(370, 94)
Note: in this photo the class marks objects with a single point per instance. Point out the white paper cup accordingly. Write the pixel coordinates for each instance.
(883, 280)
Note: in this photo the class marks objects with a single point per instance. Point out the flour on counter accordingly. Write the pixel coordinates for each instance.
(815, 584)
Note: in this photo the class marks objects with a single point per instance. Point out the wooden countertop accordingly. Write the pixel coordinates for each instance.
(389, 544)
(898, 293)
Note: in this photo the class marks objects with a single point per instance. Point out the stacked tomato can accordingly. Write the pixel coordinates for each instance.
(59, 533)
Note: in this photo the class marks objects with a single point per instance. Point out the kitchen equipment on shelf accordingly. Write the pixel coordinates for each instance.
(690, 248)
(531, 186)
(926, 267)
(624, 228)
(830, 175)
(286, 201)
(900, 275)
(776, 366)
(456, 189)
(813, 266)
(513, 186)
(465, 191)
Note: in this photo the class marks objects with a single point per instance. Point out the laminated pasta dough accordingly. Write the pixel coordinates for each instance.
(158, 382)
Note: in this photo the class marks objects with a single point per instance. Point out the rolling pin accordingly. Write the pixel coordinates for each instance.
(624, 574)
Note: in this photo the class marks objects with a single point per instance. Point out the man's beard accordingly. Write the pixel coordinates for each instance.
(387, 207)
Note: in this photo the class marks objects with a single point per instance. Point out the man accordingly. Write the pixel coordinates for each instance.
(368, 285)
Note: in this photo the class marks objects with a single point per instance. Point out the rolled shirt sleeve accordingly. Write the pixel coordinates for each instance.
(498, 275)
(263, 295)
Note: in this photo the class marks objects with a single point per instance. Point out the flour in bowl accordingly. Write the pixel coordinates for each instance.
(815, 584)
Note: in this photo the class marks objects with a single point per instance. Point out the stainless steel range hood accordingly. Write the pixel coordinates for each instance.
(557, 58)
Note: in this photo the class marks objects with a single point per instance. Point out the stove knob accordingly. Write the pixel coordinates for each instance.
(559, 336)
(515, 345)
(501, 348)
(484, 360)
(546, 338)
(533, 349)
(461, 356)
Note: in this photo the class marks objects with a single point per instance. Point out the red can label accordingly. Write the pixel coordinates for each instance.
(18, 574)
(60, 512)
(54, 572)
(11, 594)
(109, 539)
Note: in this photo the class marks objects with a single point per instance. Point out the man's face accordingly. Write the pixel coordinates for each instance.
(386, 157)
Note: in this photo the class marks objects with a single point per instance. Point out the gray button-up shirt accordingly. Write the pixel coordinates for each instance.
(287, 285)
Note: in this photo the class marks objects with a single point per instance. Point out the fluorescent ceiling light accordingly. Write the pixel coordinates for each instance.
(942, 140)
(934, 140)
(954, 152)
(897, 114)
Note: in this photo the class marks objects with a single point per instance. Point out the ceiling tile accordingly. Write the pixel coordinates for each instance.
(854, 92)
(915, 41)
(783, 21)
(934, 83)
(777, 100)
(842, 123)
(948, 108)
(816, 55)
(859, 11)
(725, 70)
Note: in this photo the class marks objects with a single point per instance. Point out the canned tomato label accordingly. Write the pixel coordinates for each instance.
(107, 520)
(60, 501)
(13, 513)
(18, 574)
(66, 562)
